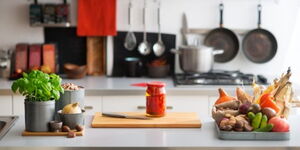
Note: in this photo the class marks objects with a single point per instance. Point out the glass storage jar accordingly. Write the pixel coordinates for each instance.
(155, 99)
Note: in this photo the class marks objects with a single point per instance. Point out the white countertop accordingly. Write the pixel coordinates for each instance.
(144, 137)
(103, 85)
(147, 137)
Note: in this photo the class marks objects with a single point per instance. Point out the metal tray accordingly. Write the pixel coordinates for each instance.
(271, 136)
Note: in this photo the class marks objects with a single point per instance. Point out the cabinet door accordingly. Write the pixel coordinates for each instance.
(197, 104)
(6, 105)
(123, 103)
(212, 100)
(93, 104)
(18, 105)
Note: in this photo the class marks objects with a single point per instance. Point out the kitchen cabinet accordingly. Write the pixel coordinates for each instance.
(93, 104)
(212, 100)
(197, 104)
(182, 103)
(123, 103)
(18, 105)
(6, 105)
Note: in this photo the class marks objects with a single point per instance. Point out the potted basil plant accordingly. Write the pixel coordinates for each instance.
(40, 91)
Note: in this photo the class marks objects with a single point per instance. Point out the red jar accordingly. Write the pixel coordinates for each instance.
(156, 99)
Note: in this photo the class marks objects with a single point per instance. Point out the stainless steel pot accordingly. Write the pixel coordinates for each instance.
(194, 59)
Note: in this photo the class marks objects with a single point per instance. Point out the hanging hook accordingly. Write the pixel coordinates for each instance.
(259, 7)
(130, 4)
(145, 3)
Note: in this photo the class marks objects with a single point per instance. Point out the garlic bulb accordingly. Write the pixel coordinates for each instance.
(70, 86)
(71, 109)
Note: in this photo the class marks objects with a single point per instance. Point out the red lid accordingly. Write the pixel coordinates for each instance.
(156, 84)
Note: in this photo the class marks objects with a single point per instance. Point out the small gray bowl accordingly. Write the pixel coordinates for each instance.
(158, 71)
(72, 120)
(70, 97)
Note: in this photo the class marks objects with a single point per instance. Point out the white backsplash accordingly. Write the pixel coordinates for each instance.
(280, 17)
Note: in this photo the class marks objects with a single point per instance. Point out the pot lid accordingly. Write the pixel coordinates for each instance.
(193, 47)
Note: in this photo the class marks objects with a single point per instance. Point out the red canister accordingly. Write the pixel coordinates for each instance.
(156, 99)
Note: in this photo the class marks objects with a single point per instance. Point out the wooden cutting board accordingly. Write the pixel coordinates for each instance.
(96, 56)
(171, 120)
(49, 56)
(21, 59)
(27, 133)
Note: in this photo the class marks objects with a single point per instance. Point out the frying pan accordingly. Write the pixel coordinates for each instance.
(259, 45)
(223, 38)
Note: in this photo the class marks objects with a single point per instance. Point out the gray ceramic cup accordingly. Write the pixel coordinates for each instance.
(38, 115)
(72, 120)
(70, 97)
(55, 126)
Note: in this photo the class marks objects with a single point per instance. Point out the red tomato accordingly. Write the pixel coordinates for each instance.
(268, 101)
(271, 104)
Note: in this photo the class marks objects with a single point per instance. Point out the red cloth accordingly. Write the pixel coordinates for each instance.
(96, 18)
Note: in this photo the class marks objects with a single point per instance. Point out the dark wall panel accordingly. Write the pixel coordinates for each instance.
(70, 47)
(120, 52)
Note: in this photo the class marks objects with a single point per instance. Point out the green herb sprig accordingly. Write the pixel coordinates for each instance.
(38, 86)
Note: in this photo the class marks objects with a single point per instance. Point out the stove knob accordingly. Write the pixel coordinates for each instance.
(262, 79)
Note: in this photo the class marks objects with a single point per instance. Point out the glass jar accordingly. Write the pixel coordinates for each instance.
(156, 99)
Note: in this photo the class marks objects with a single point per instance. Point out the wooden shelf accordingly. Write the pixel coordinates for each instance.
(67, 24)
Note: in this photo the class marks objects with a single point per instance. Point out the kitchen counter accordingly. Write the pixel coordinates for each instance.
(121, 86)
(145, 137)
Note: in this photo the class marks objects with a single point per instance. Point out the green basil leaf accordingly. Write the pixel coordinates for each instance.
(38, 86)
(15, 87)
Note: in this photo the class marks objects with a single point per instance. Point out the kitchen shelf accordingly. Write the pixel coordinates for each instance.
(260, 1)
(67, 24)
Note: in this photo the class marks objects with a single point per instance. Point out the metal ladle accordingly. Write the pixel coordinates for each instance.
(130, 39)
(144, 47)
(159, 47)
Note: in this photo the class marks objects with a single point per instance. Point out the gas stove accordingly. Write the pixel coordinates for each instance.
(218, 77)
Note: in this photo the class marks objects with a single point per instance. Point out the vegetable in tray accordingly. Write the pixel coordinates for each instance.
(266, 110)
